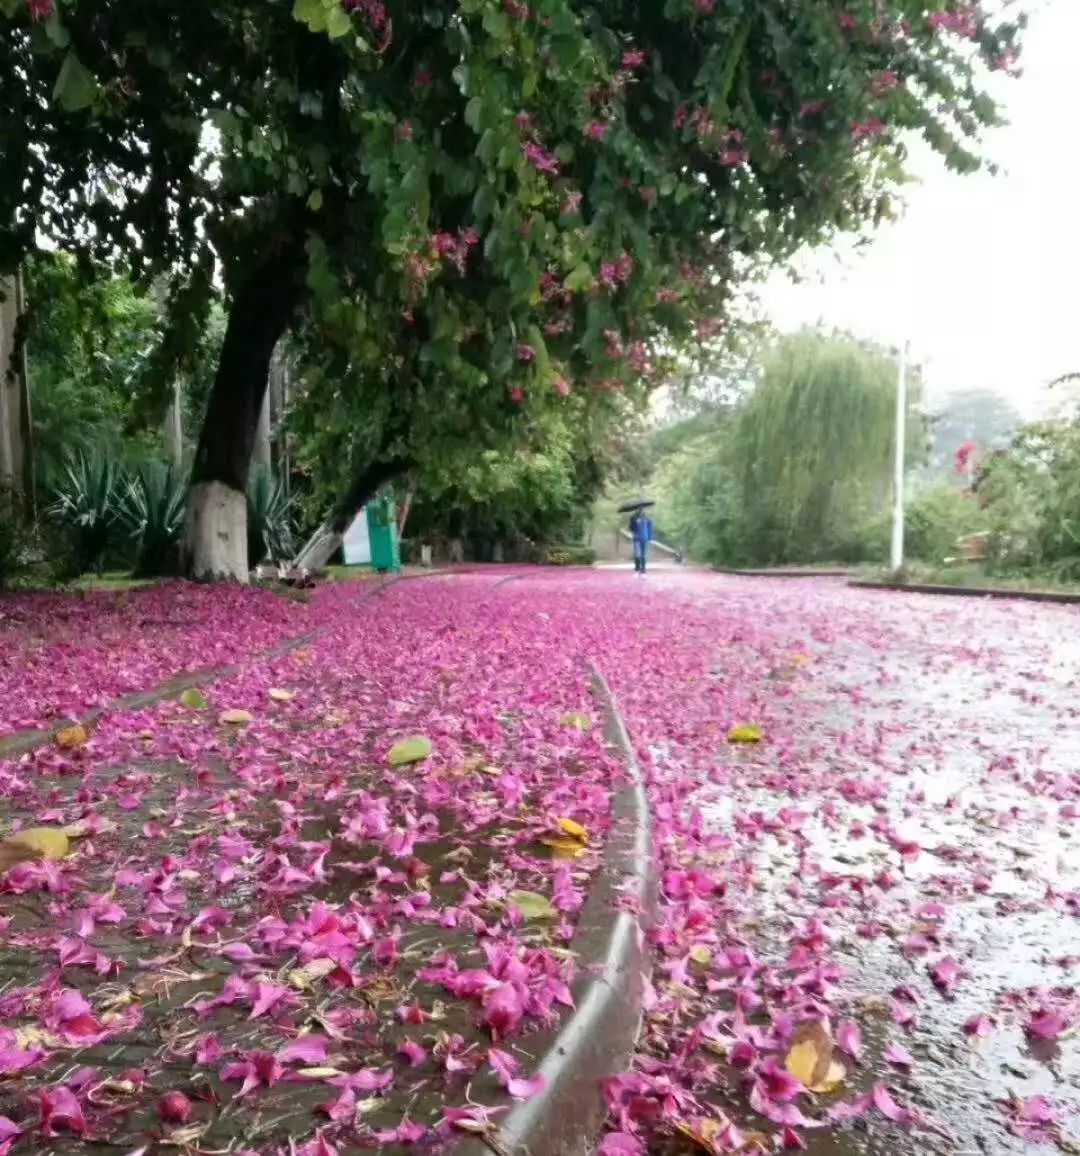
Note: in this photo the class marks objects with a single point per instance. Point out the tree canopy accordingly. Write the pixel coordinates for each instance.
(475, 207)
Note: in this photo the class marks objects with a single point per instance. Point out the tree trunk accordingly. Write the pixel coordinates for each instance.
(172, 431)
(403, 516)
(321, 546)
(262, 307)
(16, 463)
(174, 427)
(261, 454)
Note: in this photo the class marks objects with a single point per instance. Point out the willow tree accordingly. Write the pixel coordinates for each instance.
(539, 192)
(812, 447)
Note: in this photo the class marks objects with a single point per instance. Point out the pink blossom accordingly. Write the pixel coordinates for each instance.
(307, 1049)
(777, 1083)
(621, 1144)
(174, 1108)
(979, 1026)
(866, 129)
(412, 1053)
(898, 1056)
(60, 1111)
(503, 1009)
(1047, 1025)
(540, 158)
(1033, 1119)
(946, 974)
(849, 1039)
(596, 130)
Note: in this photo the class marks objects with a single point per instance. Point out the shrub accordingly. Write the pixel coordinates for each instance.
(152, 507)
(86, 505)
(16, 539)
(270, 518)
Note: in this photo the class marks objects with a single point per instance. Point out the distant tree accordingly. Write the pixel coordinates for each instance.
(800, 464)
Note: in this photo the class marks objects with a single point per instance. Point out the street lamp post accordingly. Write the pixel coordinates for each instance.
(896, 554)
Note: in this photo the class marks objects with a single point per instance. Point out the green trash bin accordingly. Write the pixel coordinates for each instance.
(382, 534)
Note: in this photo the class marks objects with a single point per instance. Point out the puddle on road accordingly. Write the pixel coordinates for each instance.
(974, 774)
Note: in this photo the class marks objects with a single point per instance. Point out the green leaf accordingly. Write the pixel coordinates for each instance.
(315, 200)
(532, 905)
(497, 24)
(312, 13)
(76, 86)
(338, 22)
(56, 32)
(579, 721)
(411, 750)
(579, 278)
(474, 114)
(194, 699)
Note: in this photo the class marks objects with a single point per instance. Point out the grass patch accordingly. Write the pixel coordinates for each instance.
(978, 577)
(348, 573)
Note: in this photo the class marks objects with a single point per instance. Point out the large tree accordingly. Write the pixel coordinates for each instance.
(542, 192)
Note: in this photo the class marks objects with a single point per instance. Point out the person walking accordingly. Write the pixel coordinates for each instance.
(641, 532)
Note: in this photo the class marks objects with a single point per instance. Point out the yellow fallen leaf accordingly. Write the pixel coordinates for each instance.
(574, 829)
(236, 717)
(745, 734)
(33, 843)
(279, 695)
(810, 1059)
(564, 848)
(194, 699)
(70, 737)
(319, 1073)
(702, 1134)
(701, 955)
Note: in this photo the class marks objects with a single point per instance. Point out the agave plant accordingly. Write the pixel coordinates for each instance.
(152, 506)
(269, 518)
(86, 505)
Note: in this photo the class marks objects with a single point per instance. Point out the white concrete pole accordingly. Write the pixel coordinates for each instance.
(896, 555)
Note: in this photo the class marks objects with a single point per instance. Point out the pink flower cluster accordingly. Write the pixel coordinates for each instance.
(964, 21)
(455, 247)
(540, 159)
(617, 272)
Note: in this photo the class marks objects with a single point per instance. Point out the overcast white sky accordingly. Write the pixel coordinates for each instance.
(983, 273)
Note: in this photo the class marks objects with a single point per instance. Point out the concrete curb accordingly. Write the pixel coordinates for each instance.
(599, 1038)
(1060, 597)
(823, 573)
(20, 742)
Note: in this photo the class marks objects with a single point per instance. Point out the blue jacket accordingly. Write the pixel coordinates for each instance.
(641, 529)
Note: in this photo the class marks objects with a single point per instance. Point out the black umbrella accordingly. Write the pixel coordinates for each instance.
(639, 504)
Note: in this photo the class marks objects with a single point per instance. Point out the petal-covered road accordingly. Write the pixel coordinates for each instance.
(868, 934)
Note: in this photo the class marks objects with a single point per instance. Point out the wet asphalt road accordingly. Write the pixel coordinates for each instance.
(931, 748)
